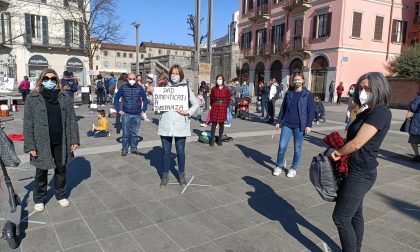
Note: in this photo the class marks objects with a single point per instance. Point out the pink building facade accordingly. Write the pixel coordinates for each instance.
(327, 40)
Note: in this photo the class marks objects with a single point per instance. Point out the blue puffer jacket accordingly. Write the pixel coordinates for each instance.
(415, 121)
(305, 108)
(132, 97)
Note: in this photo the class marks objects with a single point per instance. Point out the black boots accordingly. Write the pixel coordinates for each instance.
(219, 141)
(165, 179)
(211, 143)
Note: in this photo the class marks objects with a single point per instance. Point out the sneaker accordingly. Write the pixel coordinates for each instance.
(165, 179)
(317, 123)
(203, 125)
(291, 173)
(277, 171)
(64, 202)
(39, 207)
(228, 125)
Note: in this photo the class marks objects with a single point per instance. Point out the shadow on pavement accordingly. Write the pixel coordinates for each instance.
(316, 141)
(404, 207)
(265, 201)
(257, 156)
(155, 158)
(397, 158)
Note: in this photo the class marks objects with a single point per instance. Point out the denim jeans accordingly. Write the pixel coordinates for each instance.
(348, 211)
(264, 108)
(229, 115)
(180, 152)
(97, 133)
(131, 125)
(286, 134)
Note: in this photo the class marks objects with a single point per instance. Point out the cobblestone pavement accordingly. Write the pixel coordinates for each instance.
(233, 203)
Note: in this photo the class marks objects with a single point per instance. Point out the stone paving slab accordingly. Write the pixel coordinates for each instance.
(116, 203)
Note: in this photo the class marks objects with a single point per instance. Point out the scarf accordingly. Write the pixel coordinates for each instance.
(335, 141)
(50, 95)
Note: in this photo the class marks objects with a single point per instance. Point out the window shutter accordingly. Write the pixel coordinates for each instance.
(3, 29)
(282, 32)
(66, 3)
(394, 31)
(357, 24)
(273, 34)
(243, 7)
(81, 36)
(45, 30)
(28, 30)
(66, 33)
(329, 21)
(241, 44)
(404, 31)
(43, 1)
(379, 24)
(250, 4)
(314, 26)
(250, 40)
(264, 35)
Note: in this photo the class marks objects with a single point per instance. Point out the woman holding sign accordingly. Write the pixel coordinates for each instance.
(219, 101)
(175, 124)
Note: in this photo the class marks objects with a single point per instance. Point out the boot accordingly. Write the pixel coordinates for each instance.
(165, 179)
(182, 181)
(219, 141)
(211, 143)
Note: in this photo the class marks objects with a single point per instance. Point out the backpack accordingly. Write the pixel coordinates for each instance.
(100, 85)
(324, 176)
(278, 91)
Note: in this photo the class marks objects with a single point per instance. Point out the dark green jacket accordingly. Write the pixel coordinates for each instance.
(36, 130)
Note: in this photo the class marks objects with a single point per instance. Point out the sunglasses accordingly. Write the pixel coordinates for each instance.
(46, 78)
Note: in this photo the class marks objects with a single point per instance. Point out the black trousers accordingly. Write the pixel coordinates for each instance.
(41, 178)
(213, 131)
(100, 97)
(348, 211)
(272, 108)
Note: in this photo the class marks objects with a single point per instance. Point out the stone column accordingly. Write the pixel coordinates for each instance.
(307, 75)
(285, 73)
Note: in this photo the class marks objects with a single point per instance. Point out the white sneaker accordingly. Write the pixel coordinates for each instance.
(203, 125)
(291, 173)
(277, 171)
(228, 125)
(64, 202)
(39, 207)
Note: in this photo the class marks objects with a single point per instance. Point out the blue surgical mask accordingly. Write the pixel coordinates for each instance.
(49, 84)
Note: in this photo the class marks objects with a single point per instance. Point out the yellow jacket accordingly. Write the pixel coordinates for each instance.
(102, 124)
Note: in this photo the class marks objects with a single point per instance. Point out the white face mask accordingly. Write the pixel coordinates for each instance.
(132, 82)
(365, 97)
(175, 78)
(219, 82)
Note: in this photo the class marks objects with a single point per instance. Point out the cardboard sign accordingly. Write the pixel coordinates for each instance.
(6, 84)
(170, 98)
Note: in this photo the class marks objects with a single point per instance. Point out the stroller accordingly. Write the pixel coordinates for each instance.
(243, 107)
(11, 228)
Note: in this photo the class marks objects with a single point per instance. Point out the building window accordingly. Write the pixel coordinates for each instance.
(357, 25)
(399, 31)
(247, 6)
(246, 40)
(106, 53)
(118, 54)
(130, 55)
(277, 1)
(322, 26)
(36, 26)
(277, 36)
(73, 32)
(261, 36)
(5, 35)
(176, 52)
(124, 64)
(124, 55)
(142, 56)
(106, 64)
(417, 13)
(184, 53)
(160, 51)
(96, 67)
(118, 64)
(379, 24)
(97, 57)
(168, 52)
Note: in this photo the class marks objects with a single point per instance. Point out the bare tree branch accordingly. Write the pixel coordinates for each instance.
(191, 26)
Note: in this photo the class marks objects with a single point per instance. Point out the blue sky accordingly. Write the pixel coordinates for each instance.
(164, 21)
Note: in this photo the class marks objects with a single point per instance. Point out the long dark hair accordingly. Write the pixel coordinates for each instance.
(380, 88)
(223, 79)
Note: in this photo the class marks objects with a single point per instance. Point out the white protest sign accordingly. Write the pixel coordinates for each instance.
(170, 98)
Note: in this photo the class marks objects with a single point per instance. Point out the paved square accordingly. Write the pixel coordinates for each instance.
(116, 203)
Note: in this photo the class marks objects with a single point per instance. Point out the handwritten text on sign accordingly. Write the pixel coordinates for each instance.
(170, 98)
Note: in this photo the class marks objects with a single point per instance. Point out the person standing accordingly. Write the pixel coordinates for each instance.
(122, 80)
(273, 96)
(265, 94)
(350, 105)
(111, 86)
(69, 84)
(364, 138)
(205, 88)
(244, 89)
(340, 90)
(219, 101)
(295, 119)
(175, 125)
(331, 89)
(281, 95)
(143, 114)
(100, 91)
(132, 95)
(24, 87)
(51, 136)
(233, 93)
(414, 138)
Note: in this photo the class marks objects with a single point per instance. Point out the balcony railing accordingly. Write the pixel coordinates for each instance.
(297, 5)
(278, 47)
(299, 44)
(261, 13)
(248, 52)
(261, 50)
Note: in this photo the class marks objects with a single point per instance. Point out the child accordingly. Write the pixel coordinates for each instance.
(102, 129)
(201, 102)
(318, 109)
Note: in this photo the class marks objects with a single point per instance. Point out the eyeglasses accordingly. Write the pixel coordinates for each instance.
(46, 78)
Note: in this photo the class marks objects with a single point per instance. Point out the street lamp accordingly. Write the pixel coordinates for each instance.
(137, 25)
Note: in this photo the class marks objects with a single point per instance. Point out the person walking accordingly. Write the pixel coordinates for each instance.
(24, 87)
(205, 88)
(219, 101)
(139, 81)
(132, 95)
(122, 80)
(111, 86)
(295, 119)
(340, 90)
(331, 89)
(265, 94)
(414, 138)
(175, 125)
(364, 138)
(100, 91)
(273, 96)
(51, 136)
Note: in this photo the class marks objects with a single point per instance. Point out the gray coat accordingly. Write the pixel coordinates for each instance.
(36, 130)
(173, 124)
